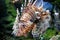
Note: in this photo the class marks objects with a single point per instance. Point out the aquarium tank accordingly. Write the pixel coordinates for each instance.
(29, 19)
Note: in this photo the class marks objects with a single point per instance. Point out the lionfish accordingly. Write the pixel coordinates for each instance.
(34, 18)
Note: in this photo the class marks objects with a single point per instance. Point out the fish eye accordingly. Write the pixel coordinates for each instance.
(23, 25)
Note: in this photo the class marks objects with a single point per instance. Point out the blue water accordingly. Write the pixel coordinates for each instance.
(46, 5)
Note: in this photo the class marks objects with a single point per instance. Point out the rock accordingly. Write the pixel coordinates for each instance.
(55, 37)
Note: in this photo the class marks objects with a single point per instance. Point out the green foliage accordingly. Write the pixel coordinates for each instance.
(11, 13)
(49, 33)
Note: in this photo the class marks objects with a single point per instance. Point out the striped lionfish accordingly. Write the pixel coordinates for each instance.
(34, 18)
